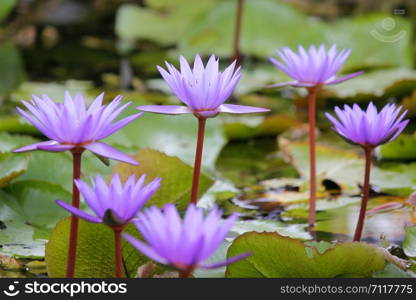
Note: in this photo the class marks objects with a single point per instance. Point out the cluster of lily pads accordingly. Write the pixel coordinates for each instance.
(186, 242)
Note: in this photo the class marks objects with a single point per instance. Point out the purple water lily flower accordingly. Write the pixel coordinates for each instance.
(313, 67)
(202, 89)
(114, 204)
(71, 125)
(368, 127)
(183, 244)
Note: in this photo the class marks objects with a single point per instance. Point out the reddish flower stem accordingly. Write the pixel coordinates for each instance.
(73, 234)
(312, 92)
(366, 192)
(118, 256)
(237, 32)
(198, 159)
(185, 273)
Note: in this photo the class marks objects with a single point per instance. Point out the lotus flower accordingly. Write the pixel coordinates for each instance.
(313, 67)
(114, 204)
(184, 244)
(368, 127)
(202, 89)
(71, 125)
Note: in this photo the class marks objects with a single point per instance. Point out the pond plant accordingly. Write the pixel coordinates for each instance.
(114, 205)
(312, 69)
(368, 129)
(71, 126)
(196, 236)
(203, 90)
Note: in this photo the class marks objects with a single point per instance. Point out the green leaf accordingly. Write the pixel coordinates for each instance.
(375, 85)
(12, 165)
(5, 7)
(176, 177)
(409, 243)
(35, 201)
(277, 256)
(215, 30)
(296, 231)
(55, 91)
(59, 166)
(16, 124)
(392, 271)
(11, 67)
(95, 252)
(28, 213)
(169, 19)
(402, 148)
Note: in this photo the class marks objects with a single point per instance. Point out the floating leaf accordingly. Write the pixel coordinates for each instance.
(277, 256)
(95, 252)
(409, 243)
(12, 165)
(59, 166)
(258, 35)
(402, 148)
(176, 177)
(376, 84)
(35, 202)
(393, 271)
(55, 91)
(296, 231)
(27, 213)
(169, 19)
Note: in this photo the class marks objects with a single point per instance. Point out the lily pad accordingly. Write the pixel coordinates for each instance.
(402, 148)
(169, 19)
(377, 84)
(258, 34)
(409, 243)
(59, 166)
(95, 253)
(28, 213)
(176, 177)
(392, 271)
(54, 90)
(277, 256)
(12, 165)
